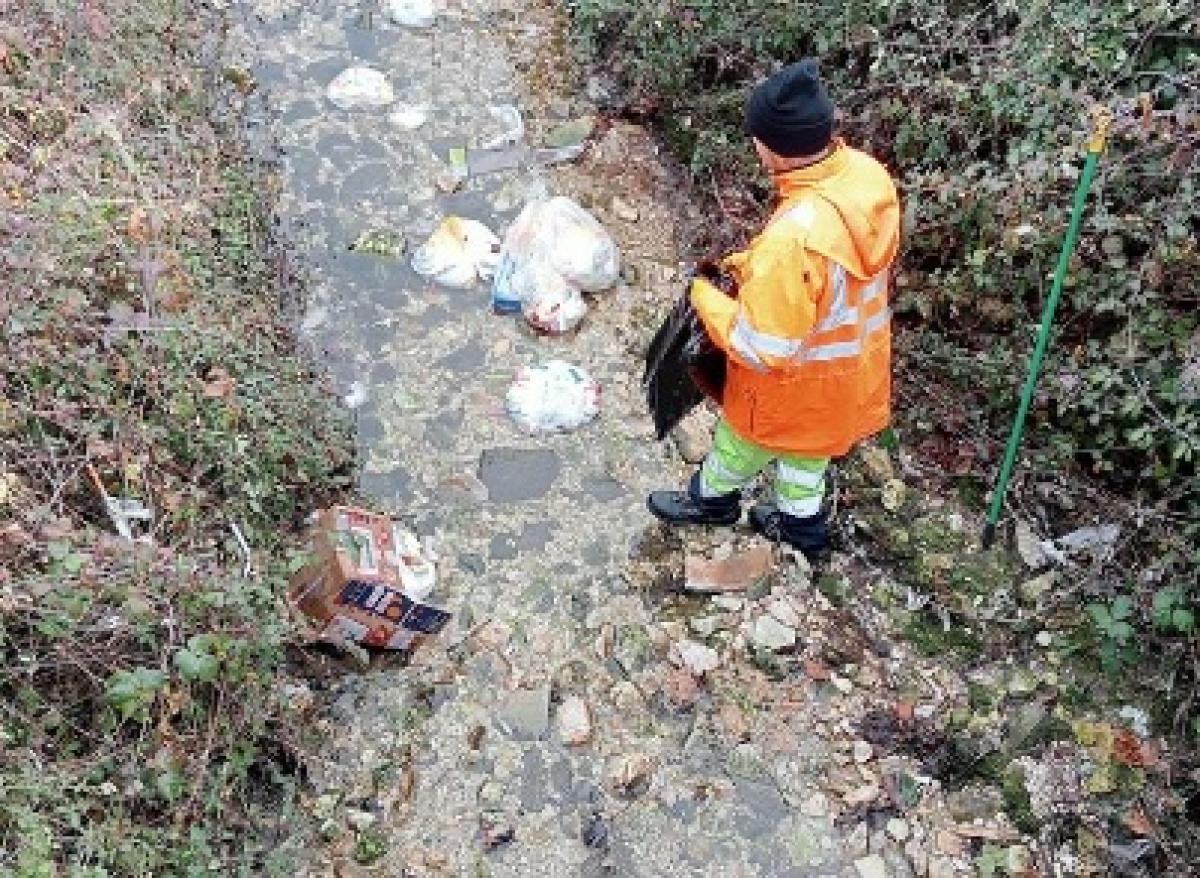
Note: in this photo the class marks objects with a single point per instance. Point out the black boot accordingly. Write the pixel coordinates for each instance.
(690, 507)
(809, 535)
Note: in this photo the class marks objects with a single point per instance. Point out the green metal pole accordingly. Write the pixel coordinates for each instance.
(1095, 147)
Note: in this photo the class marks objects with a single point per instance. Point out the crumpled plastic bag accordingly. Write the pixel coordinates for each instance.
(360, 87)
(558, 310)
(551, 244)
(458, 253)
(412, 13)
(553, 397)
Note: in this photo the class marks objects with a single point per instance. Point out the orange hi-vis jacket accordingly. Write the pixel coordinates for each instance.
(809, 335)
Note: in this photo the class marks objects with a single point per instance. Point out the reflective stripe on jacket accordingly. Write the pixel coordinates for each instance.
(809, 336)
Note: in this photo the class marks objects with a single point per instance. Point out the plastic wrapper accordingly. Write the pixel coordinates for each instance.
(458, 253)
(553, 397)
(360, 87)
(555, 311)
(553, 243)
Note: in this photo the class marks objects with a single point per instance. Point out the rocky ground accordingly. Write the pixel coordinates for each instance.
(583, 715)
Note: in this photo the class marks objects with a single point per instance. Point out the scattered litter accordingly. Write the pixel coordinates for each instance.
(248, 564)
(553, 397)
(360, 87)
(512, 124)
(355, 396)
(122, 511)
(458, 253)
(412, 13)
(1096, 540)
(367, 582)
(380, 242)
(553, 243)
(735, 573)
(556, 310)
(573, 133)
(1137, 718)
(409, 117)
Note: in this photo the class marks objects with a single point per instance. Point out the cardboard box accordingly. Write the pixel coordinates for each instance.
(354, 587)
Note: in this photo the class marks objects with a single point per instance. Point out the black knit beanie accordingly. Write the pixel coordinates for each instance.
(791, 112)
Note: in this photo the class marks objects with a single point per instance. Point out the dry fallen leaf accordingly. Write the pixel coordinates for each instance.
(138, 227)
(219, 384)
(816, 670)
(1138, 823)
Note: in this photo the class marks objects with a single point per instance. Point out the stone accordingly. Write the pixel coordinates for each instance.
(942, 867)
(704, 626)
(841, 684)
(771, 635)
(872, 866)
(898, 829)
(693, 440)
(863, 795)
(680, 687)
(574, 721)
(878, 463)
(525, 713)
(816, 805)
(697, 658)
(1029, 547)
(735, 573)
(863, 752)
(360, 821)
(1032, 590)
(784, 613)
(728, 603)
(571, 133)
(1044, 639)
(628, 773)
(626, 212)
(949, 843)
(892, 495)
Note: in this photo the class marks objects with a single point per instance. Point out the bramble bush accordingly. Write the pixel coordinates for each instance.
(145, 726)
(982, 112)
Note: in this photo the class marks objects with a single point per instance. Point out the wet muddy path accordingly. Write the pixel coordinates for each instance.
(458, 764)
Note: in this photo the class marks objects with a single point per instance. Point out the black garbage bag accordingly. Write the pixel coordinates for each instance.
(682, 363)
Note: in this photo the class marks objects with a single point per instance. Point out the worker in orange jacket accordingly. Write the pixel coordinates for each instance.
(808, 337)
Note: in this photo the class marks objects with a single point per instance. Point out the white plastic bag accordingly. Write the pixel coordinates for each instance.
(459, 252)
(553, 397)
(360, 87)
(550, 243)
(412, 13)
(555, 311)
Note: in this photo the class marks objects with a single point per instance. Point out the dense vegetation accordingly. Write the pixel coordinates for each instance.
(982, 111)
(144, 702)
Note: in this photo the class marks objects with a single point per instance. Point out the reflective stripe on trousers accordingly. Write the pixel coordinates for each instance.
(735, 462)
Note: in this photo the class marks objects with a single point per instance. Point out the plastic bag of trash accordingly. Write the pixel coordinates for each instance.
(360, 87)
(555, 311)
(553, 238)
(553, 397)
(459, 252)
(412, 13)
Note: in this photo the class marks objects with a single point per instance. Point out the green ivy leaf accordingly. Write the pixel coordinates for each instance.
(197, 666)
(1100, 616)
(132, 692)
(1122, 607)
(1183, 621)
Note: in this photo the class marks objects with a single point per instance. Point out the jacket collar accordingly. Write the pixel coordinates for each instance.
(791, 183)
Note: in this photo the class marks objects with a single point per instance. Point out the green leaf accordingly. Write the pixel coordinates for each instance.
(197, 667)
(1183, 621)
(1100, 616)
(1122, 632)
(132, 692)
(1122, 607)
